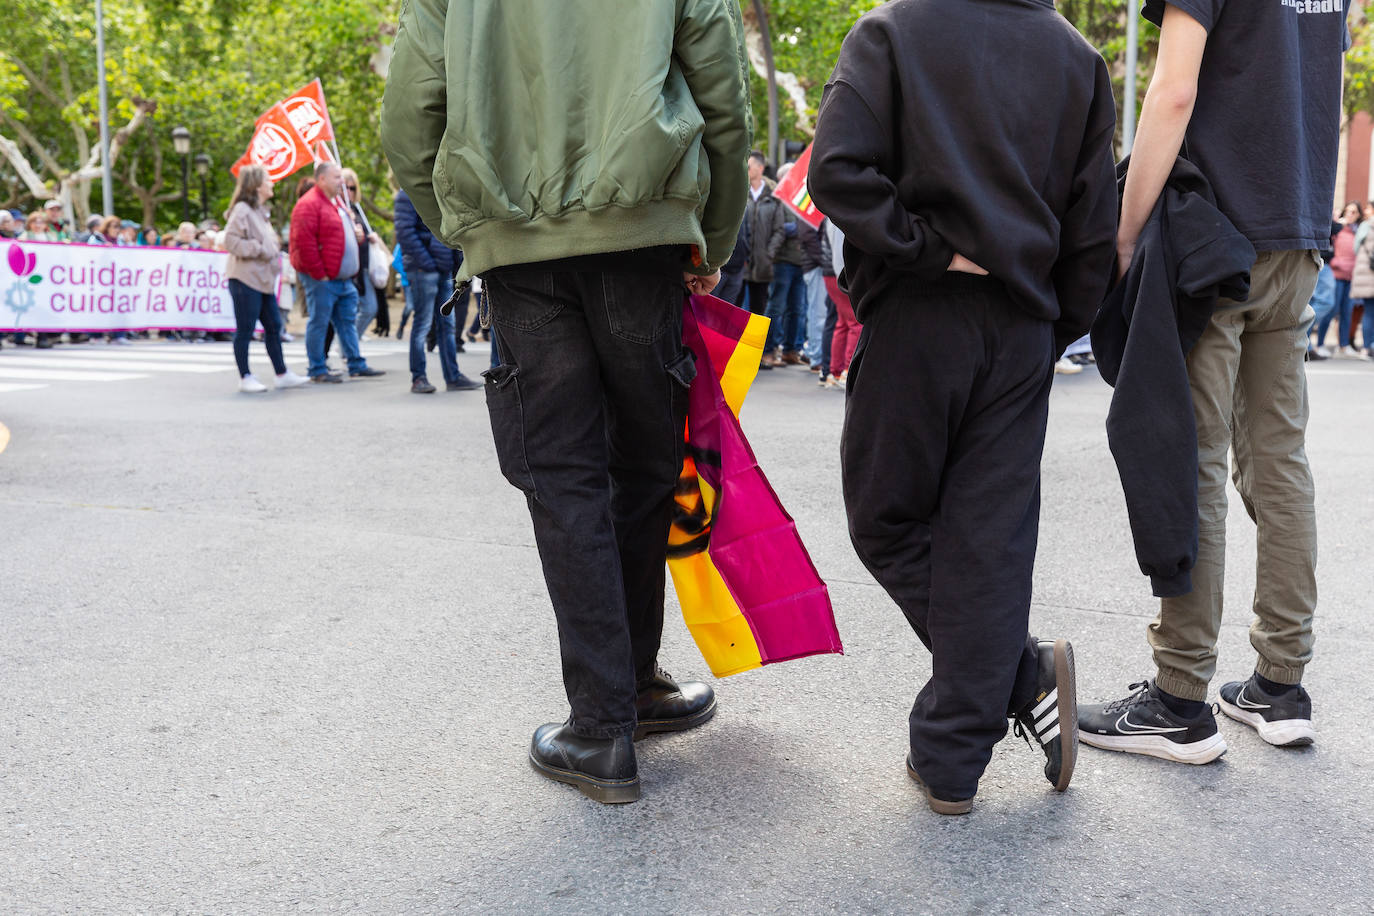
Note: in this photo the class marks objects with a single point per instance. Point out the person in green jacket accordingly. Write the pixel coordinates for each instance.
(590, 161)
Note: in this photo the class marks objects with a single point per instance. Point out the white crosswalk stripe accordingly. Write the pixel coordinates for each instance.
(32, 369)
(29, 369)
(54, 375)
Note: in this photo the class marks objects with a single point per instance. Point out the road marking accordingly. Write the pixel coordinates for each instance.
(4, 437)
(52, 362)
(142, 353)
(11, 387)
(53, 375)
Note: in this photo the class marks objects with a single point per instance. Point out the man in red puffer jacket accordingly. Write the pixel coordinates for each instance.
(324, 251)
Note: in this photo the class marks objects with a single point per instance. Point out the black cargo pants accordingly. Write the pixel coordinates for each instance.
(588, 407)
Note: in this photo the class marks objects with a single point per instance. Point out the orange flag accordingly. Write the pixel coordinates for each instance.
(307, 110)
(277, 146)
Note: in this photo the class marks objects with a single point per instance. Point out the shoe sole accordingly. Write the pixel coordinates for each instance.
(1199, 752)
(655, 726)
(1283, 733)
(606, 791)
(1066, 679)
(939, 806)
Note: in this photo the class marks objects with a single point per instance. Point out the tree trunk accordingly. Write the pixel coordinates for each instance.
(774, 153)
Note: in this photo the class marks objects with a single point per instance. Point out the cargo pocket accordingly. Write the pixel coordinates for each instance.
(508, 425)
(682, 369)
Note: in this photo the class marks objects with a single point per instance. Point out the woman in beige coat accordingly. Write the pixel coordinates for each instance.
(254, 263)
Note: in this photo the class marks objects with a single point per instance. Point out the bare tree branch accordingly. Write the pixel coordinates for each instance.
(27, 136)
(372, 207)
(27, 175)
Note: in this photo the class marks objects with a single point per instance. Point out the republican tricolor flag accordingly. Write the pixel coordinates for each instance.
(749, 593)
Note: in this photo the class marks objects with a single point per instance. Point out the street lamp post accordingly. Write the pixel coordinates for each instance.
(203, 170)
(181, 142)
(107, 180)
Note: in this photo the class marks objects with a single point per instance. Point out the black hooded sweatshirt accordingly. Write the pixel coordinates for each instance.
(982, 127)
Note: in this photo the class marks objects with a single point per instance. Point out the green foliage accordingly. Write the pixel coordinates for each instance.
(1359, 62)
(214, 65)
(211, 66)
(807, 35)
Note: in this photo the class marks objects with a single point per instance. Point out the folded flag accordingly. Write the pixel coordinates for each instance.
(749, 592)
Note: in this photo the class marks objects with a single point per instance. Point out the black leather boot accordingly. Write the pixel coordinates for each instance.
(604, 769)
(664, 705)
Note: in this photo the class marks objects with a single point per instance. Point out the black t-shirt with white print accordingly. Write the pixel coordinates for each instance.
(1266, 127)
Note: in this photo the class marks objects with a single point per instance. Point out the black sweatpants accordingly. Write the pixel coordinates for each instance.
(945, 418)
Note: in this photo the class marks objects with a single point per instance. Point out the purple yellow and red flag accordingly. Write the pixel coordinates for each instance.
(750, 594)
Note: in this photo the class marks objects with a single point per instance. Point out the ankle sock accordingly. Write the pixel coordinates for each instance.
(1272, 688)
(1184, 709)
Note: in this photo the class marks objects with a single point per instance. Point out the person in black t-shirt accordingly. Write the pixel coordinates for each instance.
(1224, 67)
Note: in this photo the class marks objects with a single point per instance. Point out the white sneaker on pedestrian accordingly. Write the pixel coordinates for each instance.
(250, 385)
(1323, 353)
(1351, 353)
(289, 379)
(1067, 366)
(286, 337)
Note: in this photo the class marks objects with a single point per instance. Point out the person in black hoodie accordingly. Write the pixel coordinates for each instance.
(979, 210)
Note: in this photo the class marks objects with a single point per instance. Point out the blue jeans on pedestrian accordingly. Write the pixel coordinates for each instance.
(816, 299)
(1323, 299)
(367, 306)
(786, 307)
(428, 291)
(331, 302)
(1336, 305)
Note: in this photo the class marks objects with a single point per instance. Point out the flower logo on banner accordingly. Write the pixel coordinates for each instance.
(19, 298)
(307, 117)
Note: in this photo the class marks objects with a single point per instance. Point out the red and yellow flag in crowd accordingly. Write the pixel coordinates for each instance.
(291, 135)
(749, 592)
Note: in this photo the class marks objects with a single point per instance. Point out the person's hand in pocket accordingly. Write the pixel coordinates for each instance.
(962, 265)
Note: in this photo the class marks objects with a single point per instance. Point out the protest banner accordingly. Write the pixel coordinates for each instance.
(792, 191)
(52, 287)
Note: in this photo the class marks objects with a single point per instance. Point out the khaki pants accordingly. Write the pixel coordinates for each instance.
(1249, 387)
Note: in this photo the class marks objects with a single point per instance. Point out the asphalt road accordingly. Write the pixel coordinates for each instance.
(286, 651)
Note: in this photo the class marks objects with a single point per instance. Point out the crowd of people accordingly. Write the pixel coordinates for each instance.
(340, 278)
(50, 224)
(1345, 287)
(987, 227)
